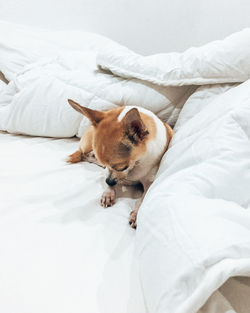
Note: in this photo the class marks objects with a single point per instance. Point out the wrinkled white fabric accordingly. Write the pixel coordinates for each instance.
(196, 235)
(60, 251)
(221, 61)
(194, 224)
(46, 68)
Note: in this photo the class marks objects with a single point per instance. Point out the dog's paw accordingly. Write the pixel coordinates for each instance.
(74, 157)
(133, 217)
(108, 198)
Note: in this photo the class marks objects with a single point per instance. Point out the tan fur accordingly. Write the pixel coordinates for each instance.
(113, 134)
(170, 134)
(86, 142)
(116, 133)
(75, 157)
(150, 124)
(119, 145)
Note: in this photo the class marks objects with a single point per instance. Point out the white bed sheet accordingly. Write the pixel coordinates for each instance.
(60, 251)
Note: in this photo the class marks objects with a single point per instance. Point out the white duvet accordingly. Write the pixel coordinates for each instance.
(193, 227)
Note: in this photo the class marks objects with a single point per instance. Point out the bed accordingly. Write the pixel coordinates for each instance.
(60, 250)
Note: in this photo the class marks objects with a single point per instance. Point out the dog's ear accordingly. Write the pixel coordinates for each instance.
(93, 115)
(135, 128)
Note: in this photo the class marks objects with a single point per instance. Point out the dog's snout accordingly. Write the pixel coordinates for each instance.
(111, 182)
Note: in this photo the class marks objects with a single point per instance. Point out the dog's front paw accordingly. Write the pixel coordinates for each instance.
(108, 198)
(133, 217)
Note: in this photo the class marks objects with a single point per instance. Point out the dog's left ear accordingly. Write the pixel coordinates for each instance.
(93, 115)
(135, 128)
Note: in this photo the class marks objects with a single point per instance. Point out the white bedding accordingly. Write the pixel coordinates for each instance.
(194, 225)
(60, 251)
(46, 68)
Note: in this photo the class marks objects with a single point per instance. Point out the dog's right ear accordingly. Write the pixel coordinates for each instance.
(135, 128)
(93, 115)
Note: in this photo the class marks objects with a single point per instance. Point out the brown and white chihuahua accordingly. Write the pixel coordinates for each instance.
(129, 141)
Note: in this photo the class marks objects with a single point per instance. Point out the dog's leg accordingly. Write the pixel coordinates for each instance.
(133, 214)
(78, 156)
(75, 157)
(108, 197)
(85, 152)
(85, 147)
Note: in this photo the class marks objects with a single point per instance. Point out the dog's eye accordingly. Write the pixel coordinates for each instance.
(122, 169)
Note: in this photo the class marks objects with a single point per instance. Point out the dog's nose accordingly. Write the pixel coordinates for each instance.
(111, 182)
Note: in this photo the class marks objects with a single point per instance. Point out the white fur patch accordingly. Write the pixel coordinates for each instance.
(124, 188)
(130, 107)
(155, 147)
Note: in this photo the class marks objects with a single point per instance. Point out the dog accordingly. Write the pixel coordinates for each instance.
(129, 141)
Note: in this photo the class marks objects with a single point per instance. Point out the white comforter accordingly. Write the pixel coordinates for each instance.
(193, 227)
(46, 68)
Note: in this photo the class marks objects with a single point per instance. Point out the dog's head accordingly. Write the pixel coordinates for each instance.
(118, 143)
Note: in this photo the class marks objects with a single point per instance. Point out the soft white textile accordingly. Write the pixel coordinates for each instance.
(199, 236)
(46, 68)
(194, 226)
(60, 251)
(222, 61)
